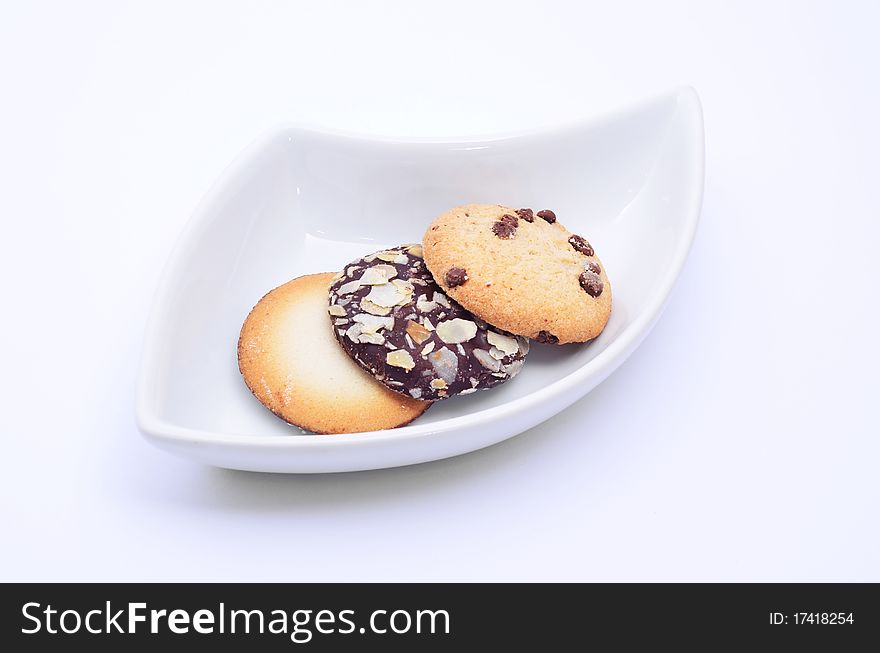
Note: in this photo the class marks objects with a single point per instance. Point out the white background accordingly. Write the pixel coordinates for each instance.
(740, 442)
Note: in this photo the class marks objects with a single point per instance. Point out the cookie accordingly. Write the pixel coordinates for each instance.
(293, 365)
(393, 319)
(521, 271)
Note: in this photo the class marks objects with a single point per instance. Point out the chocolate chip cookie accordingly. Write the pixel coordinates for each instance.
(521, 271)
(292, 364)
(394, 320)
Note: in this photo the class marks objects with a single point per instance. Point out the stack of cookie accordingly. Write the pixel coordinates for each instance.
(419, 323)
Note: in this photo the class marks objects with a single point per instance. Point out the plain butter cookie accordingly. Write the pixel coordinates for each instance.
(294, 366)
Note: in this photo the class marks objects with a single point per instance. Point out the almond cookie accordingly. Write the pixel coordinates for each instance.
(393, 319)
(293, 365)
(521, 271)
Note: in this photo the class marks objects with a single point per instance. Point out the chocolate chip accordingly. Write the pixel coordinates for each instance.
(503, 230)
(526, 214)
(547, 215)
(455, 277)
(581, 245)
(546, 337)
(506, 226)
(593, 267)
(591, 282)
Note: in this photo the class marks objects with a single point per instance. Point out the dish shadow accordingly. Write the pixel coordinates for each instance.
(259, 492)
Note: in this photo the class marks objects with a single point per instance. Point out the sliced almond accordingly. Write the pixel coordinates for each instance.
(441, 299)
(336, 311)
(387, 295)
(348, 288)
(427, 324)
(425, 306)
(513, 368)
(374, 309)
(486, 360)
(377, 275)
(398, 258)
(416, 250)
(354, 331)
(373, 323)
(388, 270)
(439, 384)
(445, 364)
(427, 349)
(387, 255)
(496, 353)
(400, 358)
(372, 338)
(507, 344)
(417, 332)
(456, 331)
(406, 288)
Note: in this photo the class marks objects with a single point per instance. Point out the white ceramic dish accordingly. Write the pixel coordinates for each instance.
(300, 201)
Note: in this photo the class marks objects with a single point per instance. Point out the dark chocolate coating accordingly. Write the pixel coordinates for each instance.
(410, 336)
